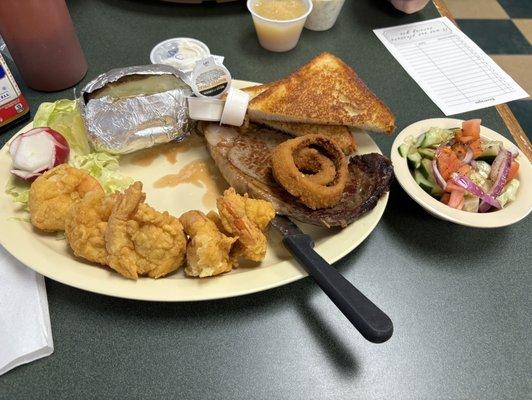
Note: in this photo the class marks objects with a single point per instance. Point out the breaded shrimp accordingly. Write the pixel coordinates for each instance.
(246, 219)
(85, 226)
(141, 240)
(53, 193)
(208, 251)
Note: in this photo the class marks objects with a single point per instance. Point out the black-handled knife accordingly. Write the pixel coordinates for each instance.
(365, 316)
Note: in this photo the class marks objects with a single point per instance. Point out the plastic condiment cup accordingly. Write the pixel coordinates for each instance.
(236, 105)
(182, 53)
(324, 14)
(278, 35)
(205, 109)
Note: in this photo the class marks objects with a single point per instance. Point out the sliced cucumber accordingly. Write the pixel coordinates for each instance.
(404, 149)
(428, 184)
(427, 153)
(436, 136)
(425, 184)
(426, 168)
(414, 160)
(420, 139)
(489, 151)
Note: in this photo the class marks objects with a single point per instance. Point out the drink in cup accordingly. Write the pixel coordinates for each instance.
(279, 22)
(41, 38)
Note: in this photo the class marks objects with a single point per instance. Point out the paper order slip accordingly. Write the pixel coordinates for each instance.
(454, 72)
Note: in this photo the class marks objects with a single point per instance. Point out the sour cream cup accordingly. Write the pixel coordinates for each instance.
(181, 53)
(324, 14)
(278, 35)
(205, 109)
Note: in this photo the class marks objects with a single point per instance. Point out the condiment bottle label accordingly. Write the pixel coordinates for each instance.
(12, 103)
(210, 79)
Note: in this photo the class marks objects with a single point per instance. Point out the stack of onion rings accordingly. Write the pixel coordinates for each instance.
(294, 159)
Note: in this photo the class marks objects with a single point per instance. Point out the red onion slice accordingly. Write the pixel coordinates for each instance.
(437, 175)
(500, 169)
(474, 189)
(469, 156)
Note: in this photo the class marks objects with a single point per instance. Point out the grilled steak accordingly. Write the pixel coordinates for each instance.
(244, 159)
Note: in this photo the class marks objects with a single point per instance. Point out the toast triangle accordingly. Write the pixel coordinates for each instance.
(324, 91)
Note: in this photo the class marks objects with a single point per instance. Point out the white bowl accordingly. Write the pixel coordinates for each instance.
(510, 214)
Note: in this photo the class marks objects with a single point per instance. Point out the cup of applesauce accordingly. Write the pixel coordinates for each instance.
(279, 22)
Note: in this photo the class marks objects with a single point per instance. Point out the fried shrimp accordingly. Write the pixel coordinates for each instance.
(208, 252)
(141, 240)
(246, 219)
(85, 226)
(53, 193)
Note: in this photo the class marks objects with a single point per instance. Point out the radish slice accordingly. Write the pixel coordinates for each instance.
(37, 151)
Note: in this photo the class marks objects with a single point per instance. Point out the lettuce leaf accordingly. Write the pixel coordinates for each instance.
(64, 117)
(104, 167)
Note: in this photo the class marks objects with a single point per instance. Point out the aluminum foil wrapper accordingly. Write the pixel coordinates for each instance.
(131, 123)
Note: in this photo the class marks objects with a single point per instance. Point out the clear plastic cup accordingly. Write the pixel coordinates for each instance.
(278, 35)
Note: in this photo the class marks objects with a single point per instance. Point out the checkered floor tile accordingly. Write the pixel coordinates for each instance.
(503, 29)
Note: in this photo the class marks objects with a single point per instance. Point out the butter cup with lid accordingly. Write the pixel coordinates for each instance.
(182, 53)
(279, 35)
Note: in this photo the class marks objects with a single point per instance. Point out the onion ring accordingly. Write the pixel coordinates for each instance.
(316, 166)
(310, 193)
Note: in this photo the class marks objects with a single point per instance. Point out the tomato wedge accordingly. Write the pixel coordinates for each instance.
(471, 128)
(514, 169)
(448, 162)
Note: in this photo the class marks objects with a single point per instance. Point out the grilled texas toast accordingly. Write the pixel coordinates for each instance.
(340, 134)
(324, 91)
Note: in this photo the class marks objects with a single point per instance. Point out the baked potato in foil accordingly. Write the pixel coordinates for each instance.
(133, 108)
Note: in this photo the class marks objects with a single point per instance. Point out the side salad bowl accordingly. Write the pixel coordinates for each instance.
(512, 212)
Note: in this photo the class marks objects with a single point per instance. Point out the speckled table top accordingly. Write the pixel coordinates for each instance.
(459, 297)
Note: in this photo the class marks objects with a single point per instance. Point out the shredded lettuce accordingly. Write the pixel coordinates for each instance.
(19, 192)
(64, 117)
(509, 192)
(104, 167)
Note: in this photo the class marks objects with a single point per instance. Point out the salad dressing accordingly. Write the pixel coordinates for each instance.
(200, 173)
(170, 150)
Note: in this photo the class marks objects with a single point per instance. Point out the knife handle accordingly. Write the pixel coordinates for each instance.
(365, 316)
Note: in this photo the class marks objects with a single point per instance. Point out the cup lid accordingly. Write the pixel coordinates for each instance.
(181, 53)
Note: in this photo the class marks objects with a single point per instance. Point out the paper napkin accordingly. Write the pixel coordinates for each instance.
(25, 332)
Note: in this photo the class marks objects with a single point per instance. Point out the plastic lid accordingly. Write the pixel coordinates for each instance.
(209, 78)
(181, 53)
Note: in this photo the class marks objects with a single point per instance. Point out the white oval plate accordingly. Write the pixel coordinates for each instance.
(512, 213)
(52, 258)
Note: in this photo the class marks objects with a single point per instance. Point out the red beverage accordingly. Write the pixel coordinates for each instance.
(41, 38)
